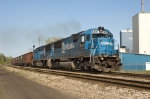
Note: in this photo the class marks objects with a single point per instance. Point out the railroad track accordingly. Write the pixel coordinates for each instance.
(146, 76)
(117, 81)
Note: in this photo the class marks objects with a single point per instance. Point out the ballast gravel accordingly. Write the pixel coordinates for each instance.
(82, 89)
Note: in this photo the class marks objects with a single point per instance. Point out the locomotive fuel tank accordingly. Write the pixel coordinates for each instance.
(67, 64)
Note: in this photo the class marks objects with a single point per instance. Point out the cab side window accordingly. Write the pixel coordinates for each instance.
(88, 37)
(82, 39)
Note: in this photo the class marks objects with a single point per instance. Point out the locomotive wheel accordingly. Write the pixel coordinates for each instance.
(89, 68)
(82, 68)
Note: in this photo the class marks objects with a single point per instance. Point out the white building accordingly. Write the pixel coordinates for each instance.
(141, 33)
(126, 44)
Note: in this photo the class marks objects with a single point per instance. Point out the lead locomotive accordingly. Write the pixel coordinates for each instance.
(93, 49)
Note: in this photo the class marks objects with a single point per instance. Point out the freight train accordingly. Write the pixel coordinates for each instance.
(93, 49)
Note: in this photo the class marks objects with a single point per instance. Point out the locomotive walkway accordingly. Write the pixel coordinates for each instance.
(13, 86)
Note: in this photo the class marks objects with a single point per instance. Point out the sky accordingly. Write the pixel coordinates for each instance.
(22, 22)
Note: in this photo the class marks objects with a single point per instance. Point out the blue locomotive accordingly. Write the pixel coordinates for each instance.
(93, 49)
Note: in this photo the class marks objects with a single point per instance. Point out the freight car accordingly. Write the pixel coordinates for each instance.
(93, 49)
(23, 60)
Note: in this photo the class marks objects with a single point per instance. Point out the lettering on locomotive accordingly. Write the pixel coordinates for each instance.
(106, 43)
(67, 46)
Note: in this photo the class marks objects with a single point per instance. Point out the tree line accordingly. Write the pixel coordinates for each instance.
(4, 59)
(7, 60)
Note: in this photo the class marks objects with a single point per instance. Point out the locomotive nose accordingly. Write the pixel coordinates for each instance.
(104, 46)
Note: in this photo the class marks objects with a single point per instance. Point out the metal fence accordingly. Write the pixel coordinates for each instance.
(134, 67)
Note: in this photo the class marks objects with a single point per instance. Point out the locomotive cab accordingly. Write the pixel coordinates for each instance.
(103, 42)
(99, 45)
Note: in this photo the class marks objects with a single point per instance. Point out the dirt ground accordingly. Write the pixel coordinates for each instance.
(13, 86)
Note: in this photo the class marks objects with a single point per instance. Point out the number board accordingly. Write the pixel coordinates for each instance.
(95, 32)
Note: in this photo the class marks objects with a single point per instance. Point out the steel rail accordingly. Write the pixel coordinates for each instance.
(146, 76)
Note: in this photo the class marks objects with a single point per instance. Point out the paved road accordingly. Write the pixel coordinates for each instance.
(13, 86)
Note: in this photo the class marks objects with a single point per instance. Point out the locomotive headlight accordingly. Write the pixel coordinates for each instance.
(117, 59)
(102, 58)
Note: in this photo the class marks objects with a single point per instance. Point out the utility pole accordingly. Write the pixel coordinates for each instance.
(39, 41)
(142, 6)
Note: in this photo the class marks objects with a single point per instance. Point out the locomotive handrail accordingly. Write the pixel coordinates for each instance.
(91, 48)
(48, 55)
(95, 48)
(92, 43)
(93, 53)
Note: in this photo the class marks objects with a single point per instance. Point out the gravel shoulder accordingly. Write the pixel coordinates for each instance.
(81, 88)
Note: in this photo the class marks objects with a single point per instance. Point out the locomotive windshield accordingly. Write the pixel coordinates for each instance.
(99, 36)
